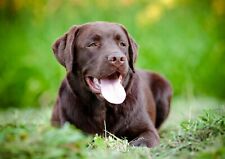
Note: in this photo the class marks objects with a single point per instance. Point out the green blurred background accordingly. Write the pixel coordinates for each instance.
(182, 39)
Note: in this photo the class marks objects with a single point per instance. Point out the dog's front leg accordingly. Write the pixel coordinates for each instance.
(149, 138)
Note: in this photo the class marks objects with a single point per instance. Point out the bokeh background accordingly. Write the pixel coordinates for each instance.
(182, 39)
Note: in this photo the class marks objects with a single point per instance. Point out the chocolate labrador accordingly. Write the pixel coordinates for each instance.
(102, 90)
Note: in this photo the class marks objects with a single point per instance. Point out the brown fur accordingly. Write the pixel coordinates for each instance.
(148, 97)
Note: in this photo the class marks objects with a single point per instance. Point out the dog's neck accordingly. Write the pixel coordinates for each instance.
(129, 80)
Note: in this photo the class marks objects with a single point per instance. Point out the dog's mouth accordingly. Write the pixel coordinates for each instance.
(109, 87)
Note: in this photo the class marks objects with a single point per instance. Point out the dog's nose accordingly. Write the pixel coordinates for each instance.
(117, 59)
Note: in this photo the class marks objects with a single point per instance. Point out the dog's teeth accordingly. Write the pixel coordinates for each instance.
(96, 82)
(120, 78)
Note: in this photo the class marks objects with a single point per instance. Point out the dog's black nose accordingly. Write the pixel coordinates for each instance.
(117, 59)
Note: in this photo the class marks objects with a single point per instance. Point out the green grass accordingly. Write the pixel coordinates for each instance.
(194, 130)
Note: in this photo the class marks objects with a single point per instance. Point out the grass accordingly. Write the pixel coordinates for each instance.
(194, 130)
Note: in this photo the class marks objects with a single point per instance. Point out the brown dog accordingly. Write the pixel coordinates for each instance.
(102, 88)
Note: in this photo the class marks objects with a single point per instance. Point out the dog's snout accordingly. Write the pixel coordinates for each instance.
(117, 59)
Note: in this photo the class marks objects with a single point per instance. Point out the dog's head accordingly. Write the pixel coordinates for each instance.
(102, 53)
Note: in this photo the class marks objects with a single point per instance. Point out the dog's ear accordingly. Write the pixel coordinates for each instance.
(63, 48)
(133, 49)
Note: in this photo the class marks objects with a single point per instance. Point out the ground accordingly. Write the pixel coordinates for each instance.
(194, 129)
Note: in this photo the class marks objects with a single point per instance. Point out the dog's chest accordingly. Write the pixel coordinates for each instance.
(100, 120)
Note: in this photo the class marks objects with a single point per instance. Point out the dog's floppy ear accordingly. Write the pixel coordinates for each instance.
(133, 49)
(63, 48)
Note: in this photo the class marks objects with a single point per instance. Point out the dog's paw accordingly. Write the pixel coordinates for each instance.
(142, 142)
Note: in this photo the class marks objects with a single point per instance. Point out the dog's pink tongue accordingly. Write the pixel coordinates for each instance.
(113, 91)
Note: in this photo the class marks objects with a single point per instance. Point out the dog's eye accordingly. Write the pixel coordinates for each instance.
(92, 44)
(123, 44)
